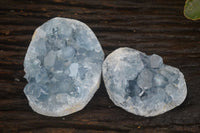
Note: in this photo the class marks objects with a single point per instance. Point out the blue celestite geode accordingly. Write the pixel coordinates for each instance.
(142, 84)
(63, 67)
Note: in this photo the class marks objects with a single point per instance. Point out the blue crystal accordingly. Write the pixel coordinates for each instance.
(142, 84)
(63, 67)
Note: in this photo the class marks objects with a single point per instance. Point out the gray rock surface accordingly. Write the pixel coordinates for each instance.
(63, 67)
(142, 84)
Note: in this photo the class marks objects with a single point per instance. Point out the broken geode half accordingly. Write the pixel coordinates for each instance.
(142, 84)
(63, 67)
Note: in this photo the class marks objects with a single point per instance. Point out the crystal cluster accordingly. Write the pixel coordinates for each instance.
(142, 84)
(63, 67)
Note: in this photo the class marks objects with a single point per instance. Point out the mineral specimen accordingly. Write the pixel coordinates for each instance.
(63, 67)
(142, 84)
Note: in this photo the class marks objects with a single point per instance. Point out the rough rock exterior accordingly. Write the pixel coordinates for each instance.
(142, 84)
(63, 67)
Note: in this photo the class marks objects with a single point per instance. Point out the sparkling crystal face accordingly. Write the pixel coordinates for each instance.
(142, 84)
(63, 67)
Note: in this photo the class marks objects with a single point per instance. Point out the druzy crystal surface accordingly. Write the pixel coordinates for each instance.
(142, 84)
(63, 67)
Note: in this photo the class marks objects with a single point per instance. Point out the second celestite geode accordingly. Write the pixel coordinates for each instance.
(142, 84)
(63, 67)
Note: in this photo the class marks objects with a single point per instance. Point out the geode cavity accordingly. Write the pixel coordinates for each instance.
(63, 67)
(142, 84)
